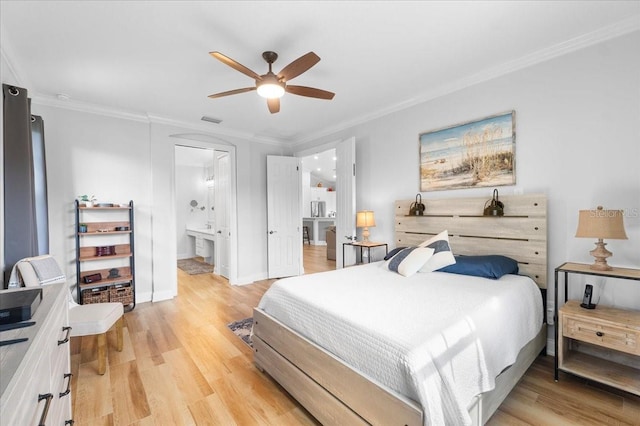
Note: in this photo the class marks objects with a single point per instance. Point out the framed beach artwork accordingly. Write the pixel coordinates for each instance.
(469, 155)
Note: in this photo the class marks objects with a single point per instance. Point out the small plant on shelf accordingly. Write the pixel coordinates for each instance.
(88, 201)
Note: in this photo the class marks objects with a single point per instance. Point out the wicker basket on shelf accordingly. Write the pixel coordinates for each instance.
(121, 293)
(95, 295)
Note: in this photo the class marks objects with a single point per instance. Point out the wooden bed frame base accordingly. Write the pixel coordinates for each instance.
(334, 393)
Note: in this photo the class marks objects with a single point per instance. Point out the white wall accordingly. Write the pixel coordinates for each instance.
(107, 157)
(577, 121)
(252, 209)
(190, 185)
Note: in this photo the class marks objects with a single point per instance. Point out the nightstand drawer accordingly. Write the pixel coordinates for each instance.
(617, 338)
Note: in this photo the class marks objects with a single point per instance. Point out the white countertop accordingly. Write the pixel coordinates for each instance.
(204, 232)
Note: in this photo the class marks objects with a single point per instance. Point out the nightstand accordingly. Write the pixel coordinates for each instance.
(608, 338)
(362, 245)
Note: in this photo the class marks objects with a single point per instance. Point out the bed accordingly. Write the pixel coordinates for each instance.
(338, 372)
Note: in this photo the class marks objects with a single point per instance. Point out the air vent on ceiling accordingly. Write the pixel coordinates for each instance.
(211, 119)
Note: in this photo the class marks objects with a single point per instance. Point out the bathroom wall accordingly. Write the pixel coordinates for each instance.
(190, 185)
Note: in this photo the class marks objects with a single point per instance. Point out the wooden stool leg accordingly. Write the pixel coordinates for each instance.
(102, 353)
(119, 325)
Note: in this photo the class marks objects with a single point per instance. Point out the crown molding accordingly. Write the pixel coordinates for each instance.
(150, 118)
(90, 108)
(626, 26)
(221, 131)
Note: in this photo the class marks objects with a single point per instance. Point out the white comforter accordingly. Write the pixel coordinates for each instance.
(437, 338)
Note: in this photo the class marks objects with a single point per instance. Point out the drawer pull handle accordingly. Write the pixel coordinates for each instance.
(65, 393)
(43, 417)
(66, 337)
(599, 333)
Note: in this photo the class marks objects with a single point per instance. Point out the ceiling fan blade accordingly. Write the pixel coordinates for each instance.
(300, 65)
(235, 65)
(274, 105)
(231, 92)
(310, 92)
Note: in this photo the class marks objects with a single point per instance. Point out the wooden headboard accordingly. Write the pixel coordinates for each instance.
(520, 234)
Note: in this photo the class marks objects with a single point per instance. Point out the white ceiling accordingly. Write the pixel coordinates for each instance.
(151, 58)
(321, 165)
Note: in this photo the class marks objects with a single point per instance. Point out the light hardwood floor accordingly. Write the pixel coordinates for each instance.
(181, 365)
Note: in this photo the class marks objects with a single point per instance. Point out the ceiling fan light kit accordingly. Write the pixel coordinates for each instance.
(270, 87)
(273, 86)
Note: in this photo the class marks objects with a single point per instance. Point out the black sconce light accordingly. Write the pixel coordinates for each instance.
(494, 207)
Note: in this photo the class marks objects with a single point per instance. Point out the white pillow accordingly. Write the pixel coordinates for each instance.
(409, 260)
(442, 254)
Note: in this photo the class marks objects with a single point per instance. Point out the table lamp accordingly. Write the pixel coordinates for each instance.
(365, 219)
(601, 224)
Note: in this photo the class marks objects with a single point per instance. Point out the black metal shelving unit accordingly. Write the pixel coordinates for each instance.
(115, 283)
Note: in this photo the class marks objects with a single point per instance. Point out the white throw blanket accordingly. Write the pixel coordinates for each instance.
(437, 338)
(47, 269)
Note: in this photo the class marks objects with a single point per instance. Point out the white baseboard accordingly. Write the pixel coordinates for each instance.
(250, 279)
(159, 296)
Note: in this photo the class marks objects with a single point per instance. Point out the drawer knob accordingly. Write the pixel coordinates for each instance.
(599, 333)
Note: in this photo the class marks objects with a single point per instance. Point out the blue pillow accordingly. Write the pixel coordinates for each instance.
(393, 252)
(490, 266)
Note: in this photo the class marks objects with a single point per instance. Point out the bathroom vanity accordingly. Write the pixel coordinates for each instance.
(204, 239)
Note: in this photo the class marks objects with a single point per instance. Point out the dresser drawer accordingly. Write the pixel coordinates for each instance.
(617, 338)
(26, 408)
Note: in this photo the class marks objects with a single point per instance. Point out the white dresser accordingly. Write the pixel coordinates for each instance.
(35, 378)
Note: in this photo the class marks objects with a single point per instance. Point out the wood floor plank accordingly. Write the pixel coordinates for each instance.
(186, 376)
(167, 404)
(182, 365)
(92, 394)
(128, 393)
(211, 411)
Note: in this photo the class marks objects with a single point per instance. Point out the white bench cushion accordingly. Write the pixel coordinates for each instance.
(94, 318)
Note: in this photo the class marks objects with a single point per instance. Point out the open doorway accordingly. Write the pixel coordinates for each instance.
(203, 210)
(344, 216)
(319, 209)
(195, 207)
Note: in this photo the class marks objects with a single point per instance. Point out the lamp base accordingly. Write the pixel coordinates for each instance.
(365, 234)
(601, 254)
(588, 306)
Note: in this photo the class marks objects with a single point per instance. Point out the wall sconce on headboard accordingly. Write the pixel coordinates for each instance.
(494, 207)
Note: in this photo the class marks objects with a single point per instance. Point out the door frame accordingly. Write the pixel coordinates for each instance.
(215, 145)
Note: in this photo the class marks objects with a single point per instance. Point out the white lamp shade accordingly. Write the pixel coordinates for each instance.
(365, 218)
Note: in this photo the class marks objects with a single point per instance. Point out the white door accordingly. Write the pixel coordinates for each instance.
(222, 192)
(345, 201)
(284, 216)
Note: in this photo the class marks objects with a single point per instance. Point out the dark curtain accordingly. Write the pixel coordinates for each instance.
(25, 199)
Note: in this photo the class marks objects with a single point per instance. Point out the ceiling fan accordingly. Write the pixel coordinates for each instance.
(273, 86)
